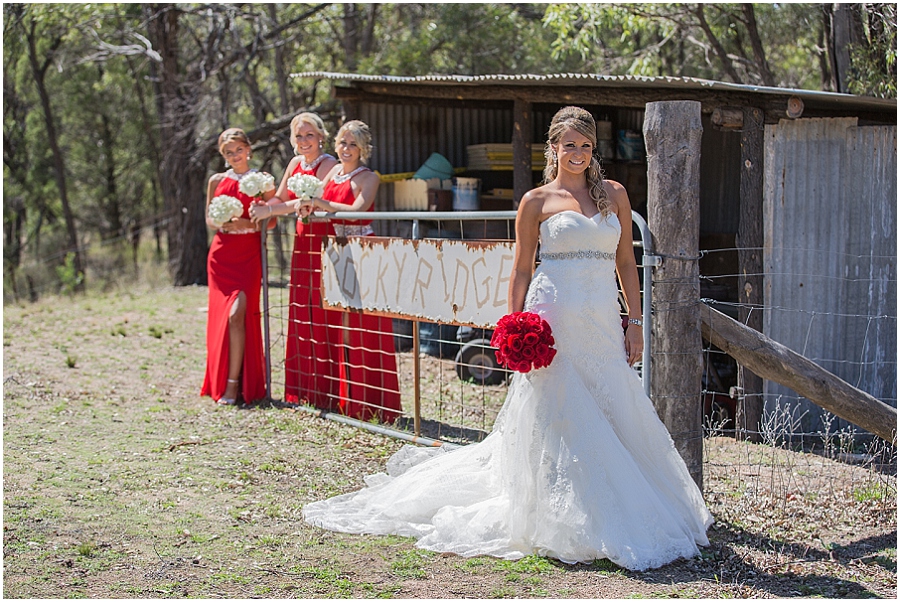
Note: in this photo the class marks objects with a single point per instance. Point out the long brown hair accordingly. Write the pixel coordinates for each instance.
(576, 118)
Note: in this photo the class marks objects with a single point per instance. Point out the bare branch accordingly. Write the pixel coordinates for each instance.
(106, 50)
(716, 45)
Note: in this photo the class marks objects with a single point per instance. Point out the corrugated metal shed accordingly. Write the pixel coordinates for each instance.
(830, 221)
(830, 252)
(811, 97)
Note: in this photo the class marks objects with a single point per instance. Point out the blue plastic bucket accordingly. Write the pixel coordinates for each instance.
(465, 194)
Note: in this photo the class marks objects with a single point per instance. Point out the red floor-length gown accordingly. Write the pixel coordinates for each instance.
(311, 359)
(368, 368)
(233, 266)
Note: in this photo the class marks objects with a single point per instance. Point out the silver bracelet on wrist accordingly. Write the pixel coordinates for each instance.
(636, 321)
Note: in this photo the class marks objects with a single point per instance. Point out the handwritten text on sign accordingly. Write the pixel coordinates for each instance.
(436, 280)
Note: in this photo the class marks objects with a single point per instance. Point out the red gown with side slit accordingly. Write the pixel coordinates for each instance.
(234, 265)
(368, 368)
(311, 366)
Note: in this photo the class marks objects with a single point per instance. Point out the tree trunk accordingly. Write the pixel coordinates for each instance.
(825, 65)
(759, 53)
(846, 30)
(351, 36)
(367, 44)
(672, 132)
(182, 172)
(13, 227)
(113, 204)
(39, 71)
(280, 75)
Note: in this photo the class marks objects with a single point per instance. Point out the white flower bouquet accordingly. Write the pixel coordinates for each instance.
(223, 208)
(305, 187)
(257, 183)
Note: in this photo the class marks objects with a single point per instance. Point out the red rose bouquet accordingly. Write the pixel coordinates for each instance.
(524, 341)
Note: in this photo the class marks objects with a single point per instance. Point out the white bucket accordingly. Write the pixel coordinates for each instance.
(465, 194)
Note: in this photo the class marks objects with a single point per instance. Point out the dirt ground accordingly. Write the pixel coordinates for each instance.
(119, 481)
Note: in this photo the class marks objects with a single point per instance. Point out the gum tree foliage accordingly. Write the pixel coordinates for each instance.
(137, 93)
(787, 44)
(862, 39)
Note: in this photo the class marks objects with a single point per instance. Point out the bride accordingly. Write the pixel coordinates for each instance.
(578, 466)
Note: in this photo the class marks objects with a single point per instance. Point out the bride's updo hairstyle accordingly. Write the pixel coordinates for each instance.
(576, 118)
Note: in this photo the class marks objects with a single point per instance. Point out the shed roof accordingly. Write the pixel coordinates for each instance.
(637, 82)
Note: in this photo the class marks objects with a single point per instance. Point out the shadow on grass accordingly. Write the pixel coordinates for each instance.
(721, 562)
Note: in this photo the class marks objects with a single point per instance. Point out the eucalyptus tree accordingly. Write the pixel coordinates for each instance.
(42, 32)
(765, 44)
(862, 48)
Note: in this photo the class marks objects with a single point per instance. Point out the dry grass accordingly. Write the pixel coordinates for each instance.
(121, 482)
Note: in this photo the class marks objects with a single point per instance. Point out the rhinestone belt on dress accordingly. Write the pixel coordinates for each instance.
(578, 255)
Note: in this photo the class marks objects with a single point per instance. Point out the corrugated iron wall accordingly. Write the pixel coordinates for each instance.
(830, 252)
(404, 136)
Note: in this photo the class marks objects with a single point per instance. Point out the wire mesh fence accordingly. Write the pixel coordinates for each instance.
(437, 379)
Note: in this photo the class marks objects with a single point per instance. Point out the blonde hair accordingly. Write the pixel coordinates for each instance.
(313, 120)
(581, 121)
(233, 135)
(362, 135)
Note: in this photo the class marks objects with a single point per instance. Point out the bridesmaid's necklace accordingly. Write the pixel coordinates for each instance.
(308, 166)
(237, 176)
(341, 178)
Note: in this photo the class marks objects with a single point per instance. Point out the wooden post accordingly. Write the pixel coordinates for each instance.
(521, 143)
(672, 132)
(749, 242)
(780, 364)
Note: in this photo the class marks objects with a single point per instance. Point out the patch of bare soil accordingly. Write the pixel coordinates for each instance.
(121, 482)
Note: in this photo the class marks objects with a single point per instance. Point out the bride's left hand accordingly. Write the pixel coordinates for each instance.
(634, 343)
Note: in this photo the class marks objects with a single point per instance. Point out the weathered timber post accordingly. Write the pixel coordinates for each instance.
(749, 242)
(672, 132)
(521, 143)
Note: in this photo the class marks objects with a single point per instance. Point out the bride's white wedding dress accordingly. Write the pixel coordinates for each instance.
(577, 467)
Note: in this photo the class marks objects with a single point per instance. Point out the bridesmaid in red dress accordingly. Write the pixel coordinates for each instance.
(235, 364)
(368, 367)
(311, 365)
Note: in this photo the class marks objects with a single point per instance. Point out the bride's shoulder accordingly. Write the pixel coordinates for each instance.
(617, 195)
(532, 202)
(613, 187)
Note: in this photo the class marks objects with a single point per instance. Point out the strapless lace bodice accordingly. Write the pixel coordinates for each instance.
(572, 232)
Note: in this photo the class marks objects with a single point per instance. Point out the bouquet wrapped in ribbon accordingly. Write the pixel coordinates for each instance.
(524, 341)
(222, 208)
(257, 183)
